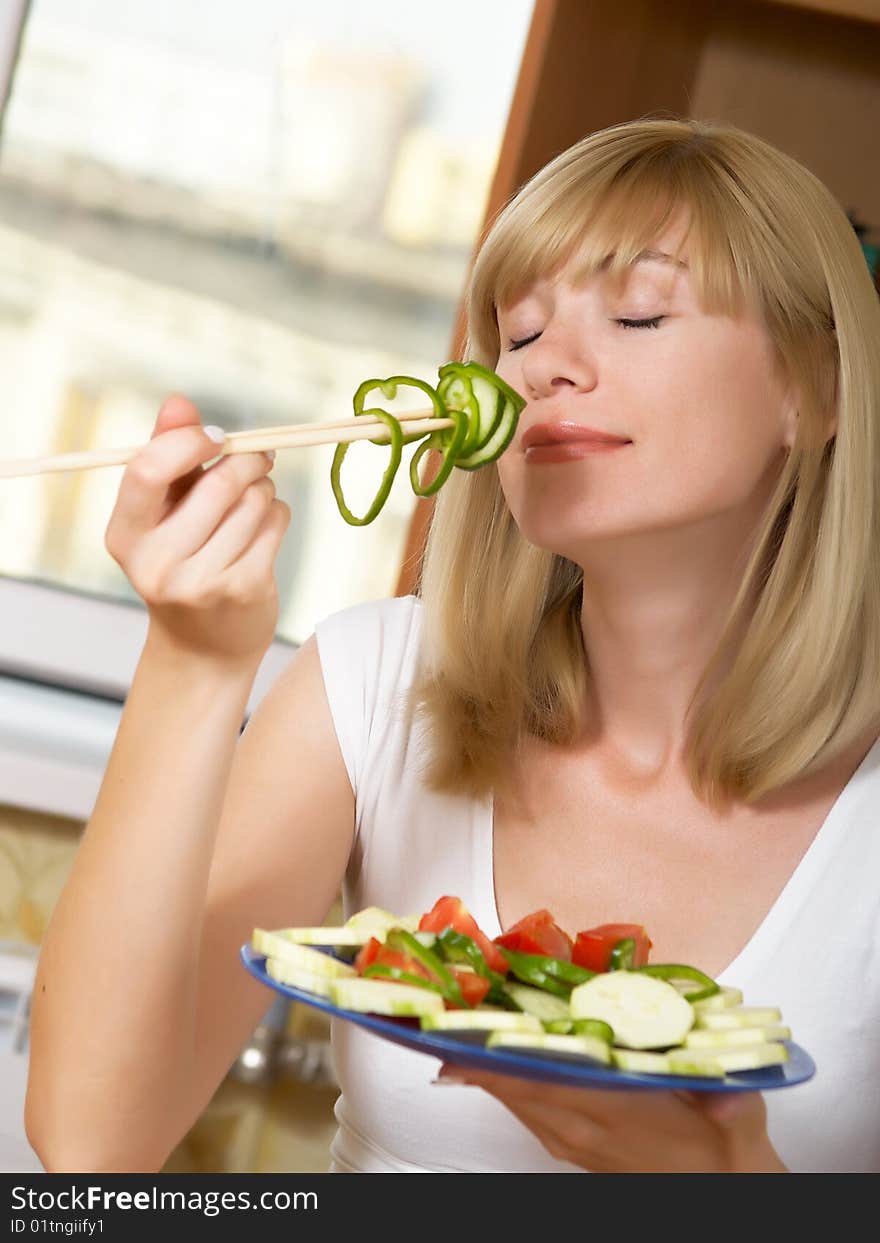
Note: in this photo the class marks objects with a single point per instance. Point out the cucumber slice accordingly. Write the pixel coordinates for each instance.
(275, 945)
(739, 1016)
(298, 977)
(640, 1062)
(718, 1001)
(480, 1020)
(729, 1060)
(543, 1006)
(497, 442)
(580, 1046)
(377, 997)
(643, 1012)
(375, 922)
(343, 937)
(705, 1038)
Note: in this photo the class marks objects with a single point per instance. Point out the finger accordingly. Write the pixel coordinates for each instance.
(168, 457)
(178, 411)
(255, 565)
(727, 1109)
(236, 532)
(199, 514)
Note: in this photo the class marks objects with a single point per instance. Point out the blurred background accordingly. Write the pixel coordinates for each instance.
(261, 206)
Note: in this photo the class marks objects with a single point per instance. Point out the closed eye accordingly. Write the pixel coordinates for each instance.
(641, 323)
(624, 323)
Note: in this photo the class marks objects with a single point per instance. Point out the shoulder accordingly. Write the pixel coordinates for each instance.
(393, 617)
(376, 640)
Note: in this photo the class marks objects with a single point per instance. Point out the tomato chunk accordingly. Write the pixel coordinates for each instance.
(374, 952)
(593, 946)
(450, 912)
(537, 933)
(473, 988)
(366, 955)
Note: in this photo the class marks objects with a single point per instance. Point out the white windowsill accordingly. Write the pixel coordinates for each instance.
(66, 663)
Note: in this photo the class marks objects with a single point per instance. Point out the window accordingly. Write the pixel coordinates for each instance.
(259, 207)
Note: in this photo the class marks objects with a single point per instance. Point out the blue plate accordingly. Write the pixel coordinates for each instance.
(468, 1050)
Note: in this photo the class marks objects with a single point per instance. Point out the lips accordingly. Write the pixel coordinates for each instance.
(568, 432)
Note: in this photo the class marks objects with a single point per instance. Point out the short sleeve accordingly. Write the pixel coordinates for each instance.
(367, 654)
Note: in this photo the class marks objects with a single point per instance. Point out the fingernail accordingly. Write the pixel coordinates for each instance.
(453, 1079)
(270, 454)
(215, 433)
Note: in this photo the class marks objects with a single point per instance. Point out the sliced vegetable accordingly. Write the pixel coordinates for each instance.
(537, 933)
(623, 955)
(722, 1000)
(593, 1027)
(730, 1060)
(594, 946)
(275, 945)
(673, 972)
(299, 977)
(580, 1046)
(703, 1038)
(379, 997)
(474, 987)
(387, 479)
(449, 912)
(456, 947)
(543, 1005)
(384, 971)
(375, 922)
(407, 943)
(480, 1020)
(484, 410)
(739, 1016)
(531, 969)
(641, 1063)
(643, 1013)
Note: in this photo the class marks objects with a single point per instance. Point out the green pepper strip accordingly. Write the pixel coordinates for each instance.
(458, 947)
(623, 955)
(510, 394)
(456, 393)
(387, 478)
(448, 441)
(593, 1027)
(679, 971)
(381, 969)
(533, 969)
(567, 972)
(388, 388)
(400, 939)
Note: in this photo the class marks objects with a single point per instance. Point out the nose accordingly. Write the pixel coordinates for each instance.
(558, 360)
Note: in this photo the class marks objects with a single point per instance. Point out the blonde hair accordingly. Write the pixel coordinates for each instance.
(797, 668)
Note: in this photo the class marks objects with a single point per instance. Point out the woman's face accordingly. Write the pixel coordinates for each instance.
(697, 396)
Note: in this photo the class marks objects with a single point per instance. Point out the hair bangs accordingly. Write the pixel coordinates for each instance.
(601, 221)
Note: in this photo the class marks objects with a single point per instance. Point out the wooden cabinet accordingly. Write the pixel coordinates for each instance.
(803, 74)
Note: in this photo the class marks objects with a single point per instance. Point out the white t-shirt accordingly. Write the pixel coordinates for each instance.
(816, 955)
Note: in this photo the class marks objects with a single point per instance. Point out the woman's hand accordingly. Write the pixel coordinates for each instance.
(638, 1131)
(199, 545)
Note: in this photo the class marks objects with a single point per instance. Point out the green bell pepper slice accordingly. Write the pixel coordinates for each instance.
(623, 955)
(400, 939)
(681, 971)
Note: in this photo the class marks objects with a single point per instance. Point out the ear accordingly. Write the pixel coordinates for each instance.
(789, 421)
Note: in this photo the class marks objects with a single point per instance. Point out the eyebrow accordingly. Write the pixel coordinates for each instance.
(648, 256)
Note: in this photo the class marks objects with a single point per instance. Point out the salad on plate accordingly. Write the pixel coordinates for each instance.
(594, 999)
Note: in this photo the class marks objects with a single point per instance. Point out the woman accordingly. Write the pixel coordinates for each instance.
(637, 683)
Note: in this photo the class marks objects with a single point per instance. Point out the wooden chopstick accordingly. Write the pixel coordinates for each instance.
(294, 436)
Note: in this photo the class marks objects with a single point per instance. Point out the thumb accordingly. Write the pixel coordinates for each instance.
(175, 411)
(725, 1109)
